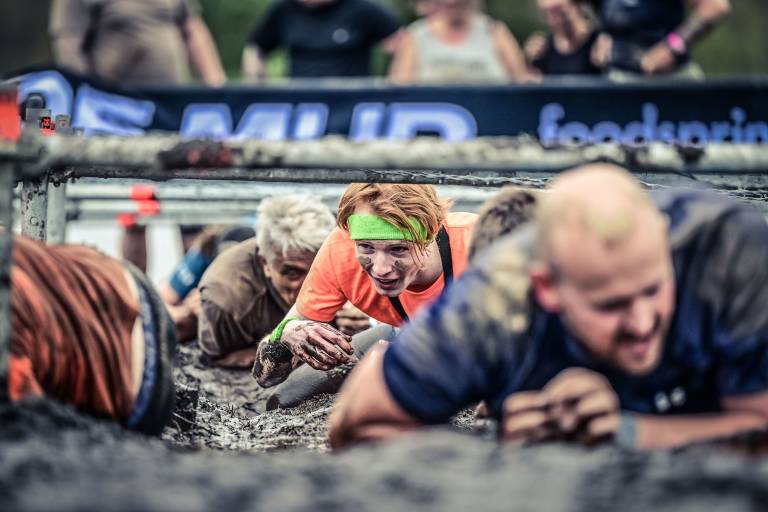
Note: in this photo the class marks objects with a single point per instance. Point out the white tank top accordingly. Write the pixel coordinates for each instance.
(474, 60)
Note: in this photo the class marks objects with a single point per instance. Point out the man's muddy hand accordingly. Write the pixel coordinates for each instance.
(578, 405)
(526, 419)
(317, 344)
(583, 406)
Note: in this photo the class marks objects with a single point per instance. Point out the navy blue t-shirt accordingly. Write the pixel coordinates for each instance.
(486, 337)
(577, 62)
(329, 40)
(636, 25)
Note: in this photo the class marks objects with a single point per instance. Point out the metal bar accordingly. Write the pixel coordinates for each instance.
(202, 192)
(34, 207)
(473, 178)
(7, 180)
(492, 178)
(57, 213)
(167, 157)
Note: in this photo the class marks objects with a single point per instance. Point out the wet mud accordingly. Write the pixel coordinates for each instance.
(226, 410)
(230, 454)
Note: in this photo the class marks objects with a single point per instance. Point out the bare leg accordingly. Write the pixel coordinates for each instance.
(134, 246)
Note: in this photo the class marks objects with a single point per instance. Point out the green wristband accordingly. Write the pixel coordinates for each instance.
(277, 333)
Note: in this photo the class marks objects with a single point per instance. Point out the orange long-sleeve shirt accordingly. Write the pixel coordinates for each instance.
(72, 312)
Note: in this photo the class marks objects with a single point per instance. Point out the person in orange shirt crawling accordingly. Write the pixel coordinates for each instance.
(90, 331)
(394, 250)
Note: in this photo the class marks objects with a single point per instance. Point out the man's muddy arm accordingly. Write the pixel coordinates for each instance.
(366, 410)
(740, 414)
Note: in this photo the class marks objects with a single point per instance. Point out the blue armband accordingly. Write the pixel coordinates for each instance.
(187, 274)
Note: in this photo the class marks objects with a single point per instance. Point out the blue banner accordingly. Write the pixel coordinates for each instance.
(583, 111)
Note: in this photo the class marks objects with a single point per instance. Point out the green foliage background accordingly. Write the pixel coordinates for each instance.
(740, 46)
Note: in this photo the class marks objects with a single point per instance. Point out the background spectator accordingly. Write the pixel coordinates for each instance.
(457, 44)
(324, 38)
(654, 37)
(134, 42)
(567, 49)
(736, 47)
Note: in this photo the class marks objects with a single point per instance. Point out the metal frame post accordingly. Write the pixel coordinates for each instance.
(7, 181)
(34, 207)
(56, 232)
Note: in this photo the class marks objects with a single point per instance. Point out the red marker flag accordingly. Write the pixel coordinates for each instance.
(10, 120)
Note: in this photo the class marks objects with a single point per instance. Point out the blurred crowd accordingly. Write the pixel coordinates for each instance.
(451, 41)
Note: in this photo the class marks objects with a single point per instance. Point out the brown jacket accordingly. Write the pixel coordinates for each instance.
(239, 305)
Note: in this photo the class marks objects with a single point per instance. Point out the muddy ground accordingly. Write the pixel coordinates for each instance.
(231, 412)
(52, 458)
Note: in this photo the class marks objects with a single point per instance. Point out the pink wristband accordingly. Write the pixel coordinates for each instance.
(676, 43)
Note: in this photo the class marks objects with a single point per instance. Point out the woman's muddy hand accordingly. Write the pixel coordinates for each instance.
(351, 320)
(317, 344)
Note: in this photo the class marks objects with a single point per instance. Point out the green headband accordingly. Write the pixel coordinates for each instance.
(373, 227)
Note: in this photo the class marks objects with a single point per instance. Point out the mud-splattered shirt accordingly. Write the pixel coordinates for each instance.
(486, 338)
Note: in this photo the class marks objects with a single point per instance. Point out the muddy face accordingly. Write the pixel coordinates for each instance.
(390, 264)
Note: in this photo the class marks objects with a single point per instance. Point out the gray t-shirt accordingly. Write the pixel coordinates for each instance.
(473, 60)
(130, 41)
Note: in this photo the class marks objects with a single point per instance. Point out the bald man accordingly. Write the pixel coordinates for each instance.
(613, 316)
